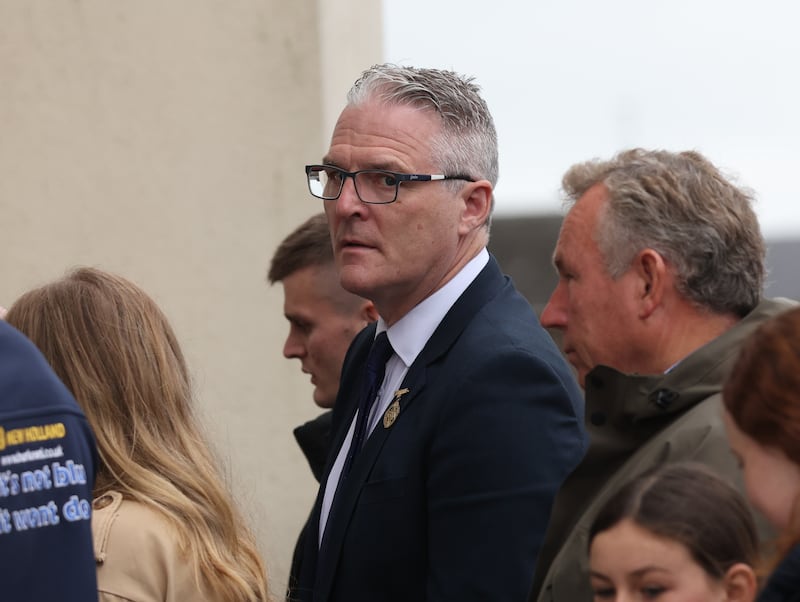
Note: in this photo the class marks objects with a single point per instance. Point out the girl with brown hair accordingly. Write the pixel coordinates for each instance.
(164, 524)
(762, 418)
(679, 533)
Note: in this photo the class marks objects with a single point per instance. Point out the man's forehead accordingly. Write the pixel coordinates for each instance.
(392, 118)
(564, 237)
(581, 219)
(397, 140)
(575, 237)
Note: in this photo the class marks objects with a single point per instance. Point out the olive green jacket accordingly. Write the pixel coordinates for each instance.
(636, 423)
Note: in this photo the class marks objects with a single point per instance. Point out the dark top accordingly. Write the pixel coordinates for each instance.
(47, 468)
(314, 439)
(784, 584)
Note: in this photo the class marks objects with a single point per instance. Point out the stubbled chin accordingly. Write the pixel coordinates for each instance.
(356, 278)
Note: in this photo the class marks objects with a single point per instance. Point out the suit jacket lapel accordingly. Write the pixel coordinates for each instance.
(487, 284)
(313, 570)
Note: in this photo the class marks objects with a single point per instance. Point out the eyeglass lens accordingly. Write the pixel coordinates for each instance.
(371, 186)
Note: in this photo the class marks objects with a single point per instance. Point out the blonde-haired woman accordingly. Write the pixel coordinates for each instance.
(164, 525)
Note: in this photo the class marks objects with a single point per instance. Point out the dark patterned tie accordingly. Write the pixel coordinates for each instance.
(374, 371)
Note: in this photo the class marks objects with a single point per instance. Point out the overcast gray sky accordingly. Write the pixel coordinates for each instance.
(569, 80)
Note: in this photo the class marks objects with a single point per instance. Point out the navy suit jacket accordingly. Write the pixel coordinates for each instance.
(451, 501)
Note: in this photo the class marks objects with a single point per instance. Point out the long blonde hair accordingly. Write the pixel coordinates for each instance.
(115, 350)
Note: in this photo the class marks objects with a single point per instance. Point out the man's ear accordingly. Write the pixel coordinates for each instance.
(368, 312)
(740, 583)
(477, 198)
(654, 278)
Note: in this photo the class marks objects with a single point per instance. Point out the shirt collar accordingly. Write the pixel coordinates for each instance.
(410, 333)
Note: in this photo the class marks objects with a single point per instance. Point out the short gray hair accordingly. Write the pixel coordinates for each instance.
(683, 207)
(468, 144)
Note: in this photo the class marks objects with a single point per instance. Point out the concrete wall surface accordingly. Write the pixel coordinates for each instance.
(165, 141)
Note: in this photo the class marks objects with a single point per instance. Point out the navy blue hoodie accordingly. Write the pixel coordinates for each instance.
(47, 468)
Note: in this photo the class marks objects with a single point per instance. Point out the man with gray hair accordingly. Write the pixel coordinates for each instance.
(457, 419)
(661, 269)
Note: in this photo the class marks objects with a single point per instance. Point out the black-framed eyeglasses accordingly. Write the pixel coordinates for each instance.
(373, 186)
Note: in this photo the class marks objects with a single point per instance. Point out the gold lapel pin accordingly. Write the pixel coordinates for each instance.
(394, 409)
(399, 393)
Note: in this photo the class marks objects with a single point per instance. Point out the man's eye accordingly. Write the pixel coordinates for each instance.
(300, 325)
(388, 180)
(333, 175)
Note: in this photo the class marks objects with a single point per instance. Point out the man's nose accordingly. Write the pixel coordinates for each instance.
(293, 347)
(554, 314)
(348, 202)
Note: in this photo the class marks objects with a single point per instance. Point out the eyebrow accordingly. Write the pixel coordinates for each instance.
(599, 575)
(650, 568)
(295, 317)
(637, 573)
(384, 165)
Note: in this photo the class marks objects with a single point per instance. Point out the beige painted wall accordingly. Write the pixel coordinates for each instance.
(165, 141)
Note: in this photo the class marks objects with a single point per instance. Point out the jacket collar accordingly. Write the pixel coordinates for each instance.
(631, 398)
(105, 510)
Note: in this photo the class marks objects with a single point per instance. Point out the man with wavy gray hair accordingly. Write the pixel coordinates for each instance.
(661, 268)
(456, 419)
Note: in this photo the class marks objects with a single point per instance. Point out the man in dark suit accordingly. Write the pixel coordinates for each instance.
(443, 492)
